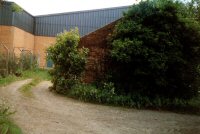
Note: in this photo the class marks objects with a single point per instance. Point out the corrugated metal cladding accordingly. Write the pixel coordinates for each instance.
(86, 21)
(21, 20)
(51, 25)
(24, 21)
(6, 14)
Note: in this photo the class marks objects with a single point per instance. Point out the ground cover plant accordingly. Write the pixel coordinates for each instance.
(107, 95)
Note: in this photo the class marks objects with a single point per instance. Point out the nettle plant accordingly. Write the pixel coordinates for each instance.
(69, 60)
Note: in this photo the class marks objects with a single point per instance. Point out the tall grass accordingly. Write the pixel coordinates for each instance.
(9, 79)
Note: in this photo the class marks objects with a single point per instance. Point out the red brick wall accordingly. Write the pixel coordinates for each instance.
(97, 44)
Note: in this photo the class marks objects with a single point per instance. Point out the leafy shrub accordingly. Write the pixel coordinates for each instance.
(69, 60)
(155, 51)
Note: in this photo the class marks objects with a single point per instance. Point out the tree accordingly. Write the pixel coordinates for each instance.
(155, 51)
(194, 8)
(15, 7)
(69, 61)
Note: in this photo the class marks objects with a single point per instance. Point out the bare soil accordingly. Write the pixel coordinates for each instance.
(49, 113)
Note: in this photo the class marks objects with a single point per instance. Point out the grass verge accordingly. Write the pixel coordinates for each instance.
(9, 79)
(26, 89)
(41, 74)
(37, 76)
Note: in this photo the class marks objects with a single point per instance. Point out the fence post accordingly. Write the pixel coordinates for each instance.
(7, 58)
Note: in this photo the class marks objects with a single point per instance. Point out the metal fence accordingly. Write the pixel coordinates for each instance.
(4, 59)
(16, 59)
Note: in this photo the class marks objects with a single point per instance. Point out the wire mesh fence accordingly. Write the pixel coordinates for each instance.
(13, 61)
(4, 59)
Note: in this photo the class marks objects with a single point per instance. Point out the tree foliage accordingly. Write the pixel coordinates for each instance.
(194, 9)
(69, 60)
(155, 50)
(15, 7)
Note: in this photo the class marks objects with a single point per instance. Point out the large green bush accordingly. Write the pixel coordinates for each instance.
(155, 51)
(69, 60)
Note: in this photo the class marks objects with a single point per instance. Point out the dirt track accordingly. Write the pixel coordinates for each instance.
(48, 113)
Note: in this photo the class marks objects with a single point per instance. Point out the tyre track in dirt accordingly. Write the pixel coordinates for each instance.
(49, 113)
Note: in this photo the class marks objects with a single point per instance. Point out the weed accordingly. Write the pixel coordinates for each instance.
(7, 126)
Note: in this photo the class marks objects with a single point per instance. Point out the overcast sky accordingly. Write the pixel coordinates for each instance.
(41, 7)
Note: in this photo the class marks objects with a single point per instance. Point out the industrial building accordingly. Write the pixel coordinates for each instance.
(22, 31)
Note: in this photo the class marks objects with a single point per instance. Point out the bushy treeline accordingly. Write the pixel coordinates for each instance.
(155, 51)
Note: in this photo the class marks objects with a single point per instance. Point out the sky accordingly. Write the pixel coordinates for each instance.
(41, 7)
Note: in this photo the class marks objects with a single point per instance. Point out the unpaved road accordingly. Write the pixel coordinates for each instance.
(48, 113)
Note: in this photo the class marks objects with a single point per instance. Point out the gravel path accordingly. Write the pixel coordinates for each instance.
(48, 113)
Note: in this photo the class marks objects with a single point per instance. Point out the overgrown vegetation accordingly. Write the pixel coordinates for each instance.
(154, 54)
(155, 51)
(155, 60)
(6, 124)
(13, 65)
(15, 7)
(69, 61)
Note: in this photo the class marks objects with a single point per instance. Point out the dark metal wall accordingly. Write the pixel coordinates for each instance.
(21, 20)
(51, 25)
(6, 14)
(86, 21)
(24, 21)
